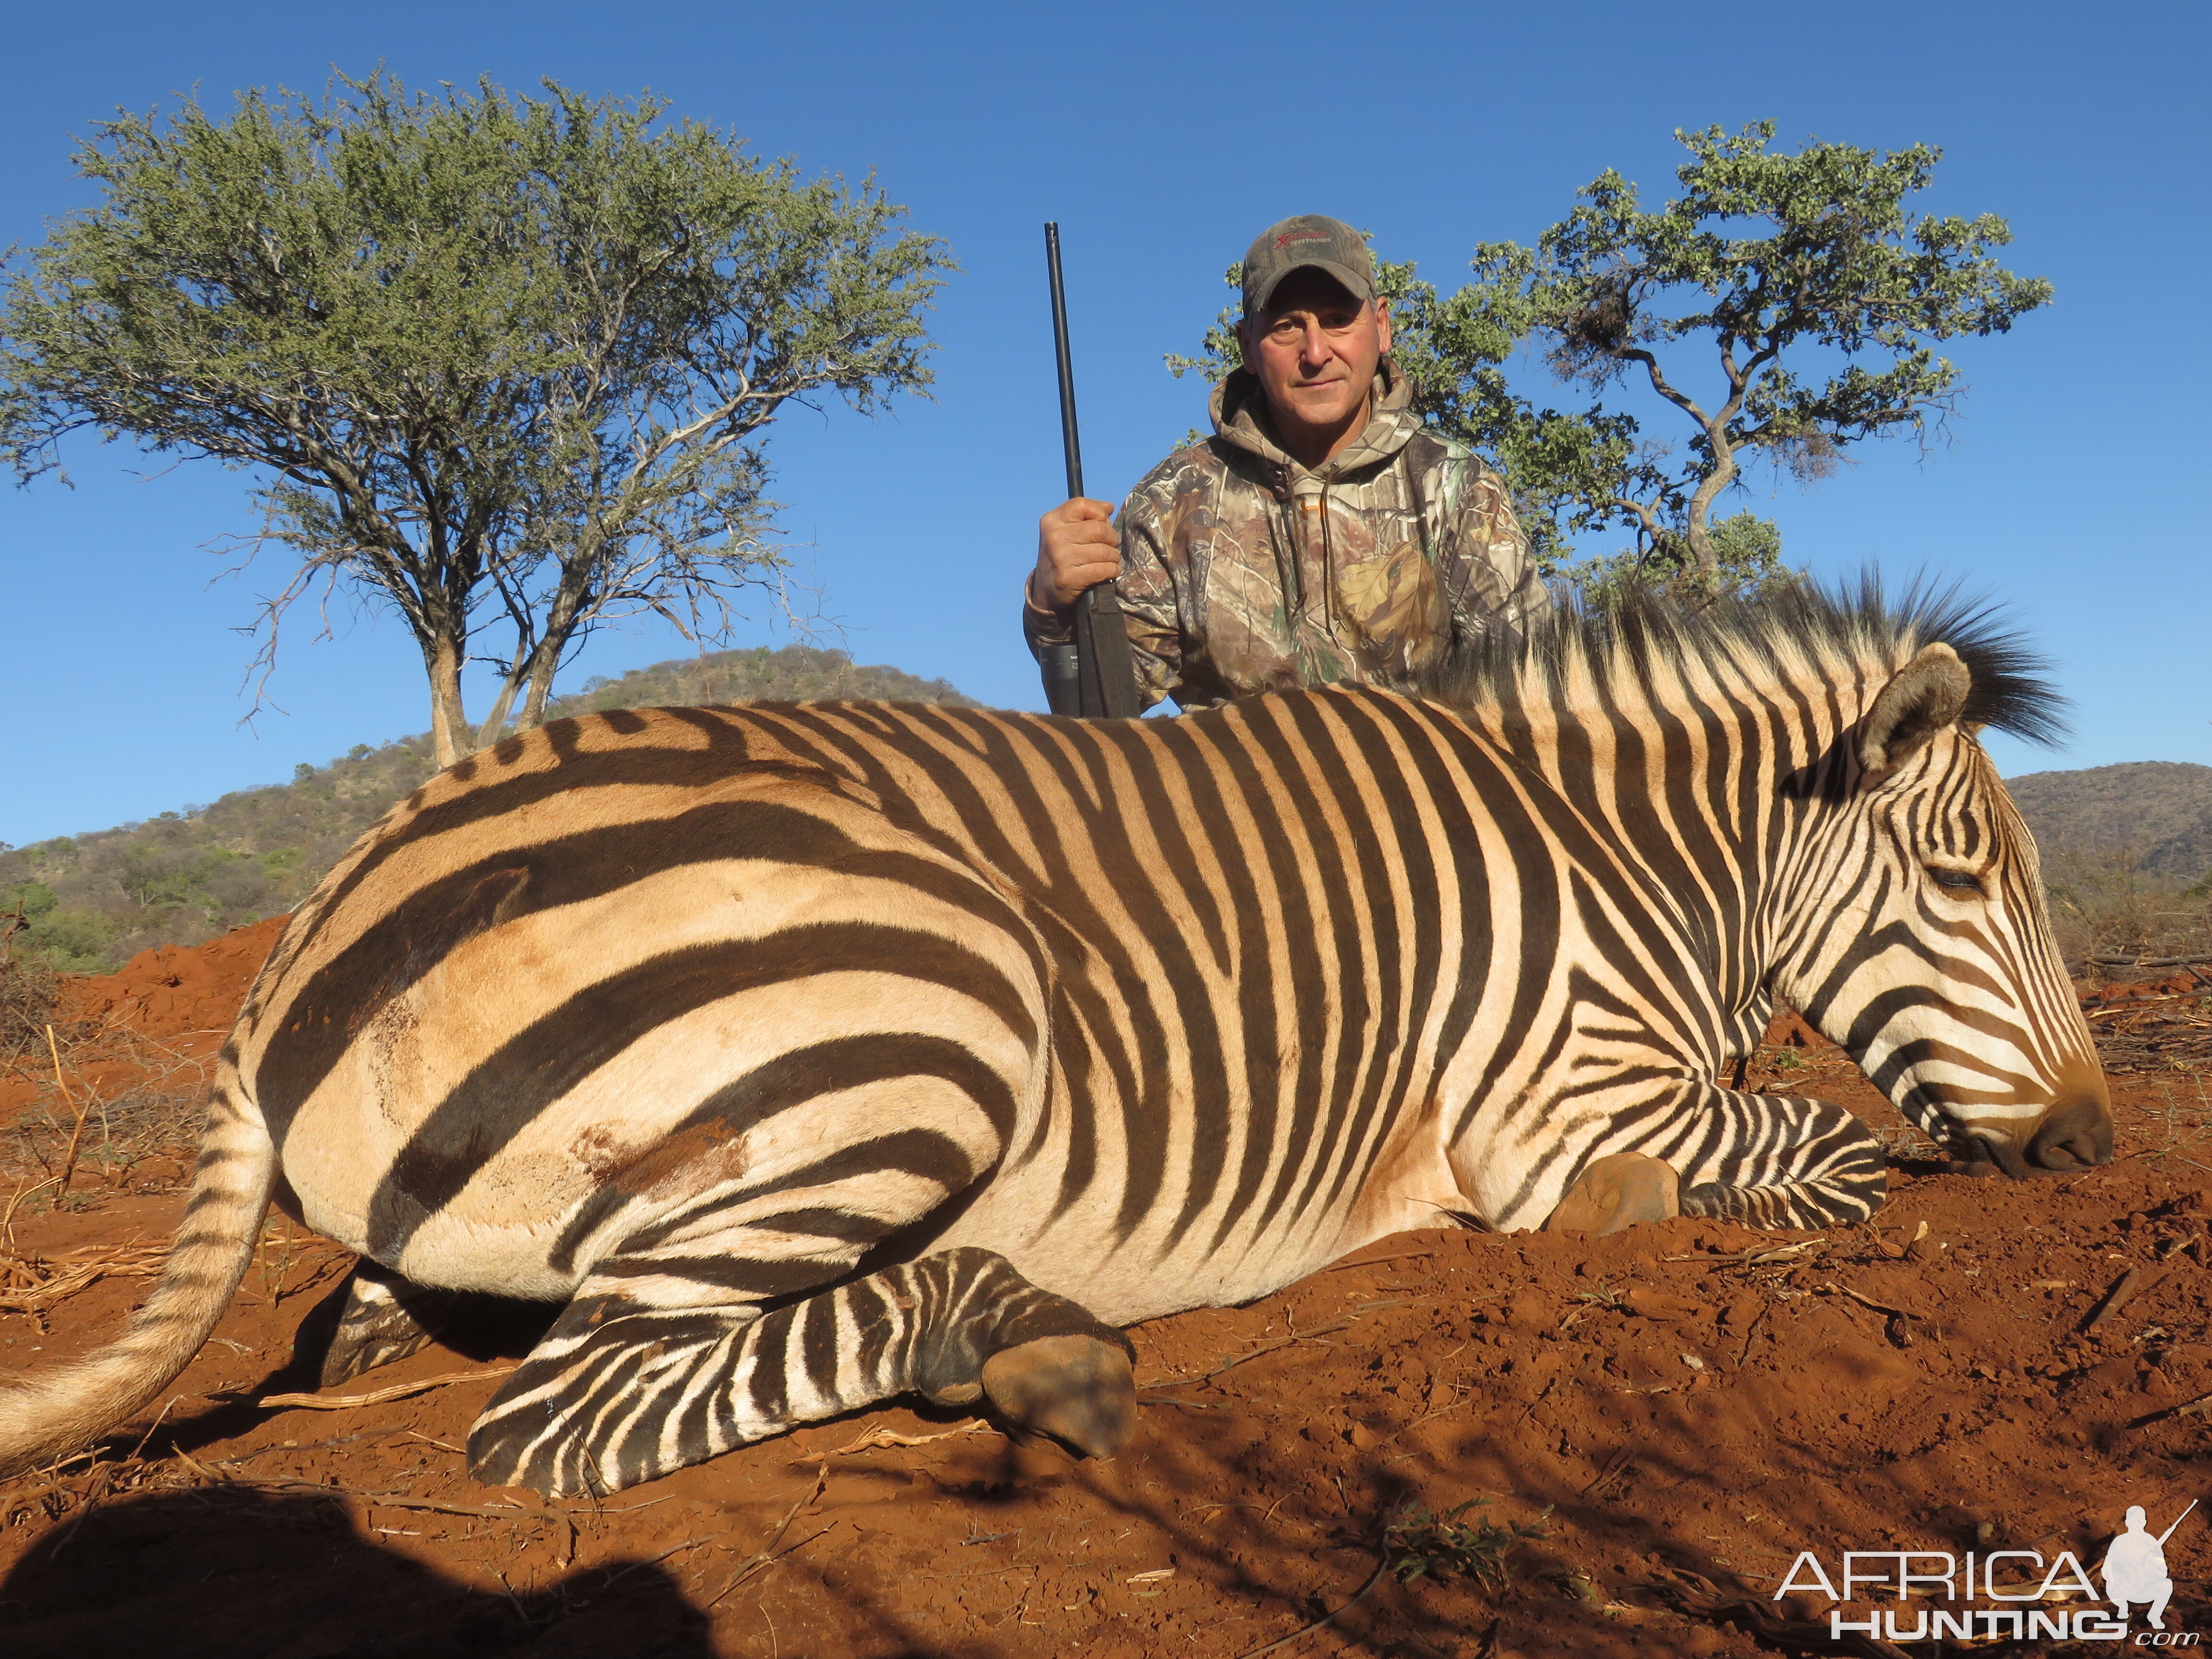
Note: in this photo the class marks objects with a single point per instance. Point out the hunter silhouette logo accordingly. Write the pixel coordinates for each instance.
(2029, 1593)
(2135, 1567)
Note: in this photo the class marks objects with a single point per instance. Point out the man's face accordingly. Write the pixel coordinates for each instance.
(1314, 351)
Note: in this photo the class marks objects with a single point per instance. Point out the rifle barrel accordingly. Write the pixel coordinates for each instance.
(2178, 1520)
(1067, 366)
(1101, 679)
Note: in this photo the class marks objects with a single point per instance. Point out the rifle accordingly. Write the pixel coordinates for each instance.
(2178, 1520)
(1093, 677)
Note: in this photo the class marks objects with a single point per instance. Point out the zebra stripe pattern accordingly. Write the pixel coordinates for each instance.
(810, 1054)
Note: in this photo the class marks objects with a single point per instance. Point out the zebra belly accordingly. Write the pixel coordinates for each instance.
(432, 1192)
(1166, 1265)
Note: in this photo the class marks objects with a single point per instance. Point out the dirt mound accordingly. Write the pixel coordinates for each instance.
(176, 990)
(1459, 1445)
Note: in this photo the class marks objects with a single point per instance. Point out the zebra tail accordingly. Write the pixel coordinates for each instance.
(48, 1416)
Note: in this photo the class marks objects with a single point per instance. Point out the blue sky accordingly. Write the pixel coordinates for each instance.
(1163, 138)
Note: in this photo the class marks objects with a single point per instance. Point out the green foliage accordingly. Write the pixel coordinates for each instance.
(1419, 1543)
(32, 899)
(1810, 290)
(1834, 268)
(1747, 552)
(498, 360)
(94, 901)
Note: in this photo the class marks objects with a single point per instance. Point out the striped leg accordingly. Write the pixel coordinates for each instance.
(621, 1391)
(372, 1319)
(1780, 1161)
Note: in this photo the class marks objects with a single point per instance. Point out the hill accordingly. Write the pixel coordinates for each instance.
(2159, 812)
(94, 901)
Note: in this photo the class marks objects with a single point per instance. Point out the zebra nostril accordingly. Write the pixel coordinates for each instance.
(2075, 1136)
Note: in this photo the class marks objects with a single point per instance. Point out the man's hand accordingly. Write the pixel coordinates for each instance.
(1076, 548)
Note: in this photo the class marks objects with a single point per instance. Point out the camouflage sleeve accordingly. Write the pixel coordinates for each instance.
(1147, 592)
(1043, 628)
(1490, 576)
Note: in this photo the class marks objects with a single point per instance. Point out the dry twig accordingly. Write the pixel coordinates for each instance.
(767, 1555)
(33, 1285)
(1357, 1595)
(2125, 1291)
(77, 1135)
(339, 1402)
(882, 1439)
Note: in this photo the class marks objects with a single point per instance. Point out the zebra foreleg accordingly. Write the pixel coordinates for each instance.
(1782, 1161)
(620, 1391)
(1617, 1191)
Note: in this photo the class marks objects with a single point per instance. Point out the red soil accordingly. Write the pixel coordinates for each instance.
(1677, 1422)
(180, 993)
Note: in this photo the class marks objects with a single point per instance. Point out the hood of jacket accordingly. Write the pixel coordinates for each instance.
(1242, 419)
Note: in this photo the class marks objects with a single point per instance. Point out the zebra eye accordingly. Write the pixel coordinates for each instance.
(1960, 881)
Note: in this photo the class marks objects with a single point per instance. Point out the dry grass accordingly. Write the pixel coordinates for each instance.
(2179, 1126)
(2109, 914)
(32, 1283)
(2166, 1033)
(29, 994)
(110, 1110)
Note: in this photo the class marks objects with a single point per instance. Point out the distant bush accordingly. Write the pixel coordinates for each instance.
(29, 986)
(93, 902)
(2108, 908)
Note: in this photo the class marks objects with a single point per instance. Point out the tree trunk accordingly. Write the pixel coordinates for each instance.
(1704, 560)
(541, 687)
(449, 726)
(560, 627)
(495, 722)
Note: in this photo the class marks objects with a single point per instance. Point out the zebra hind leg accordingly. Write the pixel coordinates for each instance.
(1783, 1161)
(621, 1391)
(372, 1319)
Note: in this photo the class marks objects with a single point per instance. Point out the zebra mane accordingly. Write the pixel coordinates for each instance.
(1617, 642)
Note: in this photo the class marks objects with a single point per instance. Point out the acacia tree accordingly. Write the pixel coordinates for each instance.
(1810, 291)
(501, 363)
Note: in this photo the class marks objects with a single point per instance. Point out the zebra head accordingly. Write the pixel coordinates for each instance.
(1923, 946)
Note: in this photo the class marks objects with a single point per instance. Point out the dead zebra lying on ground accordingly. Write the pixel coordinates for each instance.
(810, 1054)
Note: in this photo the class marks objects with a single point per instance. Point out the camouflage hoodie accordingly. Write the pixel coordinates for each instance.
(1245, 571)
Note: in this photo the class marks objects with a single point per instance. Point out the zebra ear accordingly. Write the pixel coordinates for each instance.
(1921, 698)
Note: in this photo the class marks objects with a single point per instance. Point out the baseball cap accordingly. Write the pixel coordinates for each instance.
(1307, 238)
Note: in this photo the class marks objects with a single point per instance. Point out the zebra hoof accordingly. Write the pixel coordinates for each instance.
(1619, 1191)
(1079, 1389)
(373, 1318)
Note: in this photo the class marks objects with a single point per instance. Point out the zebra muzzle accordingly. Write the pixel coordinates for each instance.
(2075, 1136)
(2072, 1136)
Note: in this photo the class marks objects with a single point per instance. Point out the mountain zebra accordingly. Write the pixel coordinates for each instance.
(811, 1052)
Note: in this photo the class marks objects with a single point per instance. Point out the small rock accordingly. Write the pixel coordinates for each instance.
(1649, 1303)
(1526, 1310)
(1806, 1608)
